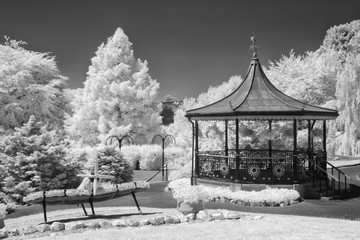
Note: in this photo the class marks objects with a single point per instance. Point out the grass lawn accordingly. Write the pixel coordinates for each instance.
(311, 219)
(270, 226)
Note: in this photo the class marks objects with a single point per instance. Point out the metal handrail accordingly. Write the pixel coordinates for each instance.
(337, 169)
(331, 175)
(324, 171)
(242, 157)
(164, 168)
(208, 155)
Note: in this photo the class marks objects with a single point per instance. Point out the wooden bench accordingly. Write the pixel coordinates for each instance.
(79, 196)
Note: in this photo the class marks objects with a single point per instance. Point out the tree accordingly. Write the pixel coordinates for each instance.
(118, 97)
(211, 132)
(342, 39)
(328, 77)
(342, 43)
(30, 84)
(169, 105)
(34, 158)
(345, 131)
(309, 78)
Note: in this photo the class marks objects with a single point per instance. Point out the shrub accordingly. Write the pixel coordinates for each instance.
(183, 171)
(34, 158)
(151, 156)
(174, 152)
(147, 156)
(179, 162)
(111, 162)
(131, 154)
(267, 197)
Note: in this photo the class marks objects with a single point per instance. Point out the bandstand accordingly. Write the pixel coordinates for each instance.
(257, 99)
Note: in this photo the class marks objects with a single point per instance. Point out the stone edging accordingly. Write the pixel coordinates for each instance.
(56, 227)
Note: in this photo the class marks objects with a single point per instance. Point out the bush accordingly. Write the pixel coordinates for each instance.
(131, 154)
(34, 158)
(179, 162)
(148, 156)
(151, 157)
(174, 152)
(111, 162)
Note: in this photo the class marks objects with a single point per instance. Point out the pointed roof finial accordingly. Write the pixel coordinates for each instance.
(253, 45)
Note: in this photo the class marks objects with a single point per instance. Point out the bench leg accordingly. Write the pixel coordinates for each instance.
(44, 210)
(92, 206)
(136, 202)
(83, 207)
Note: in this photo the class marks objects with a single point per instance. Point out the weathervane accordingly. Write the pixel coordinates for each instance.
(253, 45)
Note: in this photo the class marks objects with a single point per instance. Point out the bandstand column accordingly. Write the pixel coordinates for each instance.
(309, 134)
(309, 143)
(237, 171)
(196, 149)
(324, 136)
(226, 139)
(295, 151)
(270, 146)
(192, 152)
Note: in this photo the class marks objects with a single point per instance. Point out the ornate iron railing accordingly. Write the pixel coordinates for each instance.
(254, 166)
(336, 181)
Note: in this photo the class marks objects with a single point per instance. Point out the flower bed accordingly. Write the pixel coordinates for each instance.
(181, 189)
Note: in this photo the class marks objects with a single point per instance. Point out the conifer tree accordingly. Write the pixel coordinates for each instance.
(34, 158)
(118, 97)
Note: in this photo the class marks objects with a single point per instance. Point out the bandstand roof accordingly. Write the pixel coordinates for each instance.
(258, 99)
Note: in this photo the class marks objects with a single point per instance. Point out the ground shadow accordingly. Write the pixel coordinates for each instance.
(100, 216)
(354, 191)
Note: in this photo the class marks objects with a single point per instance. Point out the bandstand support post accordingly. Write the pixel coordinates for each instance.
(192, 153)
(226, 139)
(270, 146)
(324, 147)
(237, 170)
(197, 165)
(309, 145)
(324, 136)
(295, 152)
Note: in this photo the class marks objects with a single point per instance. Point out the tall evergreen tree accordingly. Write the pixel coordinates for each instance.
(118, 97)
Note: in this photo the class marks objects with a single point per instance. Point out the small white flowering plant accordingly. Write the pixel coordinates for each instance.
(183, 191)
(2, 210)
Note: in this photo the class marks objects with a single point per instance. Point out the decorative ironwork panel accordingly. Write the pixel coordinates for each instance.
(217, 167)
(255, 166)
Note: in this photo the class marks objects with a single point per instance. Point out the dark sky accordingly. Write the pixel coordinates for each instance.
(189, 44)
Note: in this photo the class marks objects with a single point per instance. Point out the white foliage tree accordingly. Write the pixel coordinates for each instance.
(310, 78)
(212, 132)
(30, 84)
(118, 96)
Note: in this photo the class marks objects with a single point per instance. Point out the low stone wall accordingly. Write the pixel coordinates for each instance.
(72, 227)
